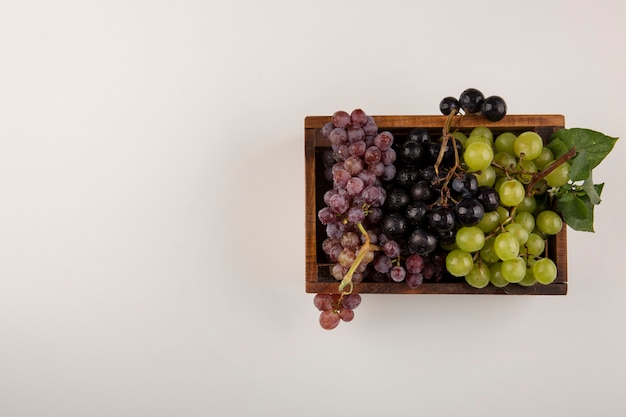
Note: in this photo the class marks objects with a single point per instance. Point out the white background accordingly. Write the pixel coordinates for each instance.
(152, 210)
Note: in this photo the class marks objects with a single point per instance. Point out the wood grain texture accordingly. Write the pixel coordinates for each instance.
(317, 277)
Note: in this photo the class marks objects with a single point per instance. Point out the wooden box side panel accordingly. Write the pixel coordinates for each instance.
(318, 279)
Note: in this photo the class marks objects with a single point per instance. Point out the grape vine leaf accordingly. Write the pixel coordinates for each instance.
(590, 145)
(577, 210)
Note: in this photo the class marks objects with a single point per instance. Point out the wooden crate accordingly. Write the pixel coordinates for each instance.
(318, 278)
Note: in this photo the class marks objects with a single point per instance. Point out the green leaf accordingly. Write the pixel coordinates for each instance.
(590, 189)
(557, 146)
(580, 169)
(597, 145)
(571, 210)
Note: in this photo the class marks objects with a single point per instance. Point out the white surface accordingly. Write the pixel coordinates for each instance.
(152, 202)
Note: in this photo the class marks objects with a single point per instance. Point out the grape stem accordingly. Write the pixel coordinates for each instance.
(446, 136)
(547, 170)
(363, 250)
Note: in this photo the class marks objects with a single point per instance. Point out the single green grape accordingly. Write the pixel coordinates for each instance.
(549, 222)
(489, 222)
(511, 192)
(529, 279)
(486, 177)
(503, 214)
(518, 231)
(470, 239)
(544, 159)
(460, 136)
(488, 253)
(477, 138)
(535, 245)
(526, 219)
(504, 142)
(482, 131)
(560, 176)
(478, 156)
(495, 275)
(528, 204)
(478, 276)
(528, 145)
(514, 270)
(459, 263)
(506, 246)
(545, 271)
(504, 160)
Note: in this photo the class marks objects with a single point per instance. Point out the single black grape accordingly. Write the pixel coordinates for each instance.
(469, 212)
(471, 100)
(448, 104)
(419, 135)
(464, 185)
(488, 197)
(407, 176)
(397, 199)
(494, 108)
(422, 191)
(441, 218)
(394, 225)
(422, 242)
(416, 213)
(411, 152)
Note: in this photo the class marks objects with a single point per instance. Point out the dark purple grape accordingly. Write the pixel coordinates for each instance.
(422, 242)
(471, 100)
(415, 213)
(448, 104)
(488, 197)
(428, 173)
(414, 280)
(419, 135)
(351, 301)
(446, 237)
(411, 152)
(414, 263)
(406, 177)
(494, 108)
(421, 191)
(464, 186)
(394, 225)
(469, 212)
(397, 273)
(397, 199)
(441, 218)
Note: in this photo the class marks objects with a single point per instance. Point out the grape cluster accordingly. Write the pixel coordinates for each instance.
(418, 207)
(472, 101)
(335, 308)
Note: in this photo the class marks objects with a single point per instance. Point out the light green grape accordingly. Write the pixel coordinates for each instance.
(473, 139)
(505, 160)
(528, 204)
(460, 136)
(504, 143)
(503, 214)
(495, 275)
(483, 131)
(486, 177)
(478, 276)
(560, 176)
(529, 168)
(535, 245)
(459, 263)
(511, 192)
(489, 222)
(529, 279)
(545, 271)
(470, 239)
(526, 219)
(488, 253)
(528, 145)
(544, 159)
(478, 156)
(506, 246)
(518, 231)
(549, 222)
(514, 270)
